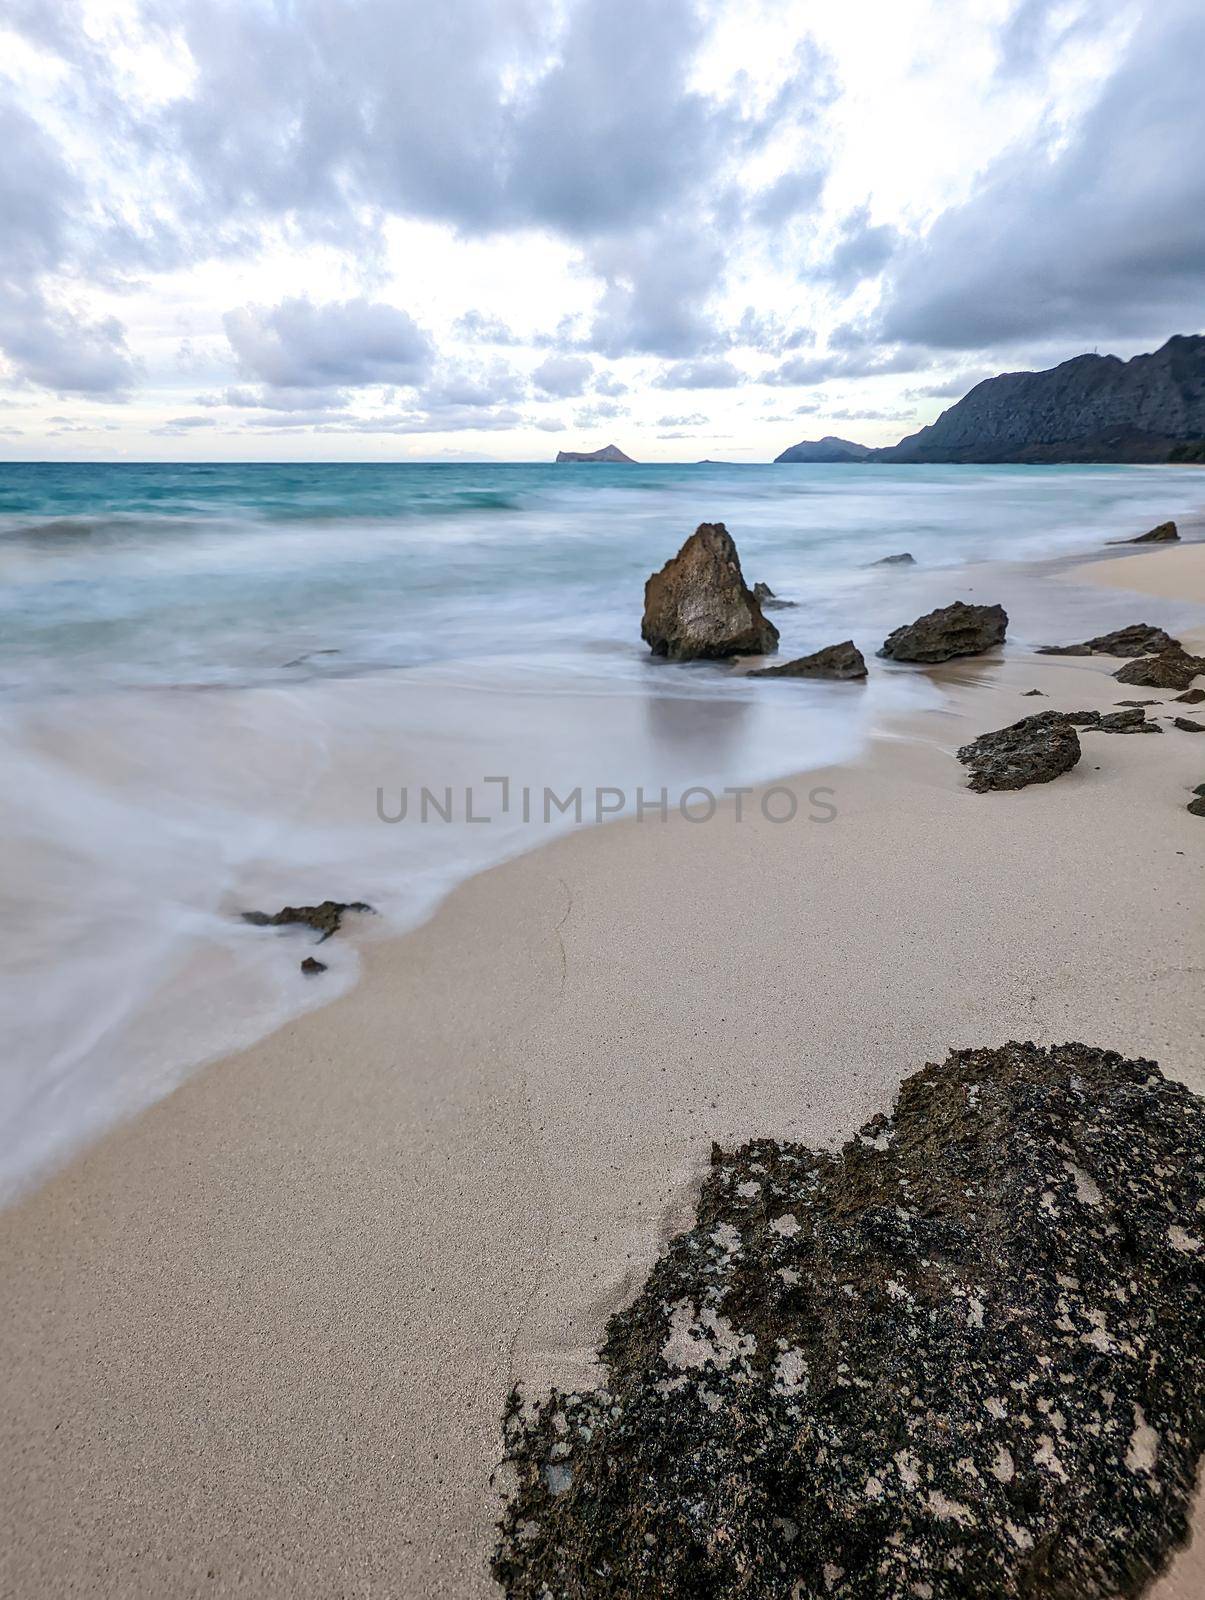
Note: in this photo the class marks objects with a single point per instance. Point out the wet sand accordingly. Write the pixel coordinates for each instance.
(258, 1340)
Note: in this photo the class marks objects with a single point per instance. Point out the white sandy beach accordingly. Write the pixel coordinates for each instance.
(258, 1340)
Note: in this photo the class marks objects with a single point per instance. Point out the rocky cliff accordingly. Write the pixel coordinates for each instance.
(1092, 408)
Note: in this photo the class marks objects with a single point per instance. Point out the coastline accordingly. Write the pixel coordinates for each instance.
(250, 1325)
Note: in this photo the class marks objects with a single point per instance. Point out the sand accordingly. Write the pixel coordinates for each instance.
(258, 1340)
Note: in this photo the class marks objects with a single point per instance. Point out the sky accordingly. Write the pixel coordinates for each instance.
(492, 229)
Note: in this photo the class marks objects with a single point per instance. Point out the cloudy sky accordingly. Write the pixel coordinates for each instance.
(398, 229)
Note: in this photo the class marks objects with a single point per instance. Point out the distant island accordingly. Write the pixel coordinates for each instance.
(827, 449)
(1091, 408)
(609, 452)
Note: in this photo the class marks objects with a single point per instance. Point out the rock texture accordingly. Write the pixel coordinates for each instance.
(902, 560)
(609, 452)
(768, 600)
(325, 919)
(1036, 749)
(1137, 639)
(1187, 725)
(1092, 408)
(312, 968)
(1165, 533)
(828, 449)
(1170, 669)
(962, 1359)
(957, 630)
(843, 660)
(699, 607)
(1190, 697)
(1131, 720)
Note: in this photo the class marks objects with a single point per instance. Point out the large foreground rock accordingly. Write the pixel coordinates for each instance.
(957, 630)
(1035, 750)
(1170, 669)
(1138, 639)
(961, 1359)
(843, 660)
(699, 606)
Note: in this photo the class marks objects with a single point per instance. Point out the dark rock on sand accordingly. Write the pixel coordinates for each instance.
(1144, 702)
(1163, 534)
(1191, 697)
(768, 600)
(843, 660)
(1031, 692)
(1187, 725)
(325, 919)
(902, 560)
(312, 968)
(1132, 720)
(957, 630)
(699, 606)
(1037, 749)
(962, 1358)
(1138, 639)
(1170, 669)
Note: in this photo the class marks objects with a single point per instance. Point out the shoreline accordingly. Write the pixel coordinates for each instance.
(251, 1323)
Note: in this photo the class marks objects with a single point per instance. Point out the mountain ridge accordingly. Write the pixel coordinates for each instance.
(1090, 408)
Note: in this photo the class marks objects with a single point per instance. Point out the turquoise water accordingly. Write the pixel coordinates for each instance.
(207, 673)
(223, 574)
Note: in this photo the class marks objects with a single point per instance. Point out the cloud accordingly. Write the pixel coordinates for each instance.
(714, 374)
(299, 345)
(599, 411)
(695, 420)
(861, 250)
(1099, 233)
(562, 377)
(476, 328)
(46, 341)
(859, 362)
(952, 388)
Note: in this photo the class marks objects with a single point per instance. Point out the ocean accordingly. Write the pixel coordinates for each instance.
(221, 684)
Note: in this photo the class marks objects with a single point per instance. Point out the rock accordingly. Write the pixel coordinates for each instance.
(1197, 807)
(902, 560)
(960, 1358)
(312, 968)
(1144, 702)
(1130, 721)
(325, 919)
(1138, 639)
(768, 600)
(834, 661)
(1037, 749)
(609, 452)
(1170, 669)
(698, 607)
(1163, 534)
(1187, 725)
(957, 630)
(1191, 697)
(1030, 692)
